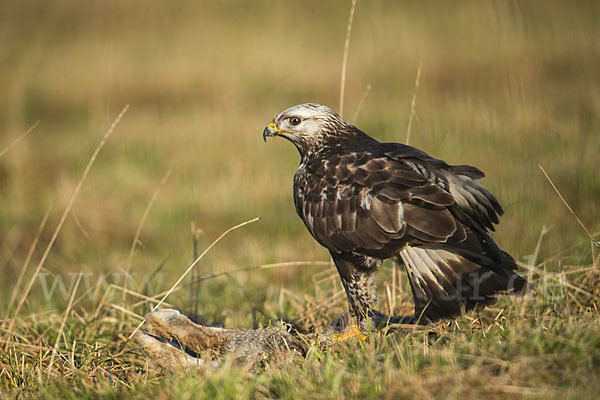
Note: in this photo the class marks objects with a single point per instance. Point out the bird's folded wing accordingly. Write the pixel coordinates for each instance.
(475, 206)
(363, 203)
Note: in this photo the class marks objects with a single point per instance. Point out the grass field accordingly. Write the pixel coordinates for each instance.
(504, 86)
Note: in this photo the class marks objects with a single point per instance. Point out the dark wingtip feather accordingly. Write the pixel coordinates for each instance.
(468, 170)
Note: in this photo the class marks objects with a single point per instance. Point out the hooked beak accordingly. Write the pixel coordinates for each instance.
(270, 131)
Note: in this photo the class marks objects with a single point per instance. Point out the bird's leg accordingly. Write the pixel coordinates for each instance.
(358, 281)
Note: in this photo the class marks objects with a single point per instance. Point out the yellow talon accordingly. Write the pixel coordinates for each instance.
(350, 333)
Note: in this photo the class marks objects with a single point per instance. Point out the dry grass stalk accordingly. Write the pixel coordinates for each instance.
(139, 295)
(194, 281)
(345, 58)
(361, 103)
(18, 139)
(154, 299)
(32, 248)
(413, 103)
(63, 322)
(559, 277)
(595, 242)
(139, 230)
(66, 212)
(187, 272)
(126, 311)
(263, 266)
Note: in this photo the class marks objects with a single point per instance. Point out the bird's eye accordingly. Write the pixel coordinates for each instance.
(295, 121)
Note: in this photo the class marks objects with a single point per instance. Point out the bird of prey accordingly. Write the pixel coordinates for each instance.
(367, 201)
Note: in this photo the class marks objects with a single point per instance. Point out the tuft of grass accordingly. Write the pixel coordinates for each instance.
(533, 346)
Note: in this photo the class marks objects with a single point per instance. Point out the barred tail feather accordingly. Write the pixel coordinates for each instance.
(444, 283)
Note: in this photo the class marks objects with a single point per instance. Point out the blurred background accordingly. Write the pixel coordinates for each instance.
(504, 86)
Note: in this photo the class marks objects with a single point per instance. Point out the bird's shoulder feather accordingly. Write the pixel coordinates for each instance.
(367, 201)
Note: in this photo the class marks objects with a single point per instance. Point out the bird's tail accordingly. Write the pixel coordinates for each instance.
(444, 282)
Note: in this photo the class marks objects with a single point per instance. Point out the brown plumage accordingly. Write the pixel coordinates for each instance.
(367, 201)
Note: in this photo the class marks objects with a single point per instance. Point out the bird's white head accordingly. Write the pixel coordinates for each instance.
(306, 125)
